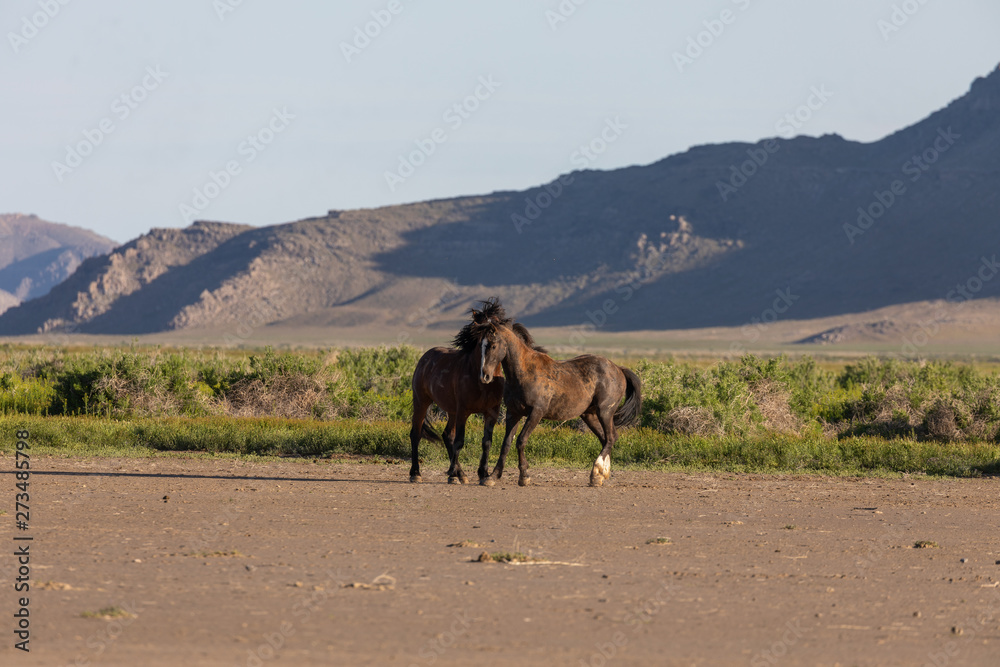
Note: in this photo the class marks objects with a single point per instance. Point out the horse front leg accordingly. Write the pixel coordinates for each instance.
(508, 437)
(489, 421)
(455, 473)
(522, 439)
(448, 435)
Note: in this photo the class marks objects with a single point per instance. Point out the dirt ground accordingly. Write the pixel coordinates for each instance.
(226, 562)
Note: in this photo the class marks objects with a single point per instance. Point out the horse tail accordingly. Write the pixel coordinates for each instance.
(629, 412)
(427, 433)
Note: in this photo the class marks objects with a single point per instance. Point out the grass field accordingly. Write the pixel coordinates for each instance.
(871, 416)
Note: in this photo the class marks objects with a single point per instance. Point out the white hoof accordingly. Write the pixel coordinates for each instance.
(602, 467)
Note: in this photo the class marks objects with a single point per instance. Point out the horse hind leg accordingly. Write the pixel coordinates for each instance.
(416, 429)
(594, 424)
(602, 466)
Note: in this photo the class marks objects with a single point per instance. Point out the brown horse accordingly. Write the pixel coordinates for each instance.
(451, 378)
(538, 387)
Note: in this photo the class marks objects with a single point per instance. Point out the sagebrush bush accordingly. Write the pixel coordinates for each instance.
(888, 398)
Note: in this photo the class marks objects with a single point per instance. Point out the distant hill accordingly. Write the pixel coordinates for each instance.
(720, 235)
(36, 255)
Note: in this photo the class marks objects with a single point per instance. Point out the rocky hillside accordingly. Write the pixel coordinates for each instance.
(720, 235)
(36, 255)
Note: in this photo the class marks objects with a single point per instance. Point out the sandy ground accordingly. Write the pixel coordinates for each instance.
(225, 562)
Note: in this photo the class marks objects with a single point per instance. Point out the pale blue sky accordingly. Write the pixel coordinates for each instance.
(555, 85)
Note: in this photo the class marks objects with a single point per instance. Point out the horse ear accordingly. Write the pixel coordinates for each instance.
(478, 317)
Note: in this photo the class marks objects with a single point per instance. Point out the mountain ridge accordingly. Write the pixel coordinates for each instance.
(36, 255)
(837, 226)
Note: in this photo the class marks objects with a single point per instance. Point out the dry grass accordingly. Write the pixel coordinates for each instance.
(151, 400)
(940, 421)
(690, 420)
(772, 400)
(290, 396)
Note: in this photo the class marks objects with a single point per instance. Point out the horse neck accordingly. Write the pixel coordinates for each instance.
(517, 353)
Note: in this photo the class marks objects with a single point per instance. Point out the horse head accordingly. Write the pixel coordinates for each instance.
(487, 337)
(476, 337)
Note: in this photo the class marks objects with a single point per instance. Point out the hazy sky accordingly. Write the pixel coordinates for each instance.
(115, 113)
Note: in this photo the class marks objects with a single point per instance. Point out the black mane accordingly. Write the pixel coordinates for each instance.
(491, 315)
(483, 320)
(523, 334)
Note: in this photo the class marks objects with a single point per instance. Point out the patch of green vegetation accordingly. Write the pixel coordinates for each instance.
(659, 540)
(870, 416)
(107, 612)
(388, 441)
(926, 544)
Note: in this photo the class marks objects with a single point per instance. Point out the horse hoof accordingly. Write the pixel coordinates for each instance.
(524, 481)
(596, 480)
(416, 479)
(487, 481)
(454, 480)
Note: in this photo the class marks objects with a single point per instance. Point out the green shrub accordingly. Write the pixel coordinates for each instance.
(749, 397)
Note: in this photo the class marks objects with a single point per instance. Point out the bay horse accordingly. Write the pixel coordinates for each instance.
(450, 377)
(538, 387)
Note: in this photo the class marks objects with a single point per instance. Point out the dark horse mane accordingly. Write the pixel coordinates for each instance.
(491, 315)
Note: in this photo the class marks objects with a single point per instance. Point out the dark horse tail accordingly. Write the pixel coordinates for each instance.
(630, 410)
(428, 434)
